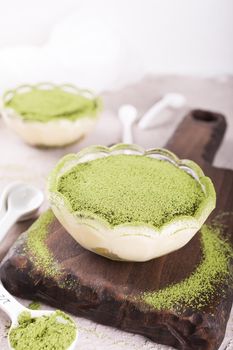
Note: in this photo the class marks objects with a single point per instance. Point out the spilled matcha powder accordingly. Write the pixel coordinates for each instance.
(40, 255)
(37, 248)
(54, 332)
(204, 284)
(45, 105)
(131, 189)
(34, 305)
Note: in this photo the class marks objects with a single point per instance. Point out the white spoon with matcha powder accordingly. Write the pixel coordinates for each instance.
(19, 313)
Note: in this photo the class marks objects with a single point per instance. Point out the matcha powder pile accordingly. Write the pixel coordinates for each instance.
(54, 332)
(131, 189)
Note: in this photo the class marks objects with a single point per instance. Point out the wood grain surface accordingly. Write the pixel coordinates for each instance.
(105, 290)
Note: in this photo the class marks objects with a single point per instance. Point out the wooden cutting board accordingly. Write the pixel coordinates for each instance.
(101, 288)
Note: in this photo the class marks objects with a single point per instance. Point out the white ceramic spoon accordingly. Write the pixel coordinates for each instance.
(128, 115)
(171, 100)
(22, 201)
(13, 308)
(4, 198)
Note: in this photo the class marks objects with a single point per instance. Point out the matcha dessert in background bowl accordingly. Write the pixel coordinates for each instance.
(50, 115)
(126, 203)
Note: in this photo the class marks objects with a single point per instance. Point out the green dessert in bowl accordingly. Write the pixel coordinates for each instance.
(126, 203)
(50, 115)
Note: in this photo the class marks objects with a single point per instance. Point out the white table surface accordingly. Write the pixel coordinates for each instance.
(21, 162)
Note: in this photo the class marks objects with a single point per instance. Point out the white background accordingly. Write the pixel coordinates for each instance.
(107, 43)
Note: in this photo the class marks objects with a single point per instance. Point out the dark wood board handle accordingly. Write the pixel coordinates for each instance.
(204, 131)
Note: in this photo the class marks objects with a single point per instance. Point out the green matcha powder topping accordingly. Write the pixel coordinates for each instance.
(54, 332)
(131, 189)
(44, 105)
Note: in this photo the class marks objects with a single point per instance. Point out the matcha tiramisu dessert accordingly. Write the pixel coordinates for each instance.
(50, 115)
(126, 203)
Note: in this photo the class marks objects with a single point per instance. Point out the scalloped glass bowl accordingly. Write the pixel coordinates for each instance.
(128, 242)
(54, 133)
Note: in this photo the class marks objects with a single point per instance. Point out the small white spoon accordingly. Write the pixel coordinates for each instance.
(13, 309)
(171, 100)
(23, 200)
(4, 198)
(128, 115)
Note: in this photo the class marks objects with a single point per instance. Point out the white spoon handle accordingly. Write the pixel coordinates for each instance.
(127, 136)
(8, 220)
(151, 113)
(9, 304)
